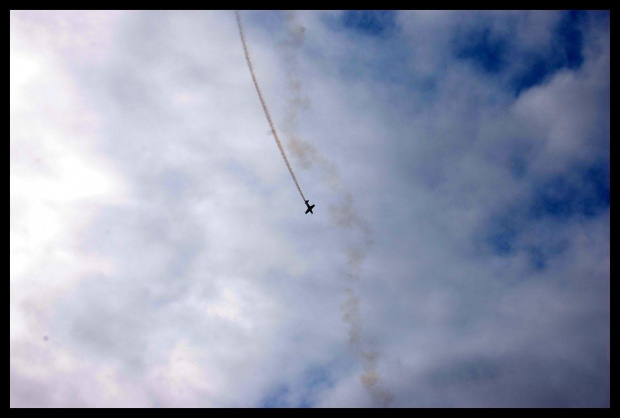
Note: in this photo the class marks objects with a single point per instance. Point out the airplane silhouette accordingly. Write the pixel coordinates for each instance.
(309, 207)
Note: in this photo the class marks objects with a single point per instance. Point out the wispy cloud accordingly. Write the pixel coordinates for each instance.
(459, 247)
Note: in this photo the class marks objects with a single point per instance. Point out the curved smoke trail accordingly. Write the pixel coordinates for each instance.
(342, 215)
(262, 102)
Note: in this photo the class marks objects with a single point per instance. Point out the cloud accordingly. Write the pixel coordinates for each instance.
(157, 242)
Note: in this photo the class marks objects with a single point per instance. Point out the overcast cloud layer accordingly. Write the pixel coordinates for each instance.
(160, 255)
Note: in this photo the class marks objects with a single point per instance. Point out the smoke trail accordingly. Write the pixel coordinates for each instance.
(262, 102)
(342, 214)
(370, 378)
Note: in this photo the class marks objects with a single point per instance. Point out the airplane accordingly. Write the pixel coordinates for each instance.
(309, 207)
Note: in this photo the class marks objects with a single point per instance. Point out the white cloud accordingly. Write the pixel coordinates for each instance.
(159, 245)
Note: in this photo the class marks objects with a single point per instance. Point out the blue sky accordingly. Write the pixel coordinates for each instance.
(459, 250)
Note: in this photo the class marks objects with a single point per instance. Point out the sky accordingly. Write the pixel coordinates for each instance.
(459, 250)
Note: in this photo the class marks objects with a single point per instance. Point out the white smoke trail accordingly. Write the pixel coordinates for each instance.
(342, 215)
(262, 102)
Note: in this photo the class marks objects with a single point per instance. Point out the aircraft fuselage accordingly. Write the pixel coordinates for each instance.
(309, 207)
